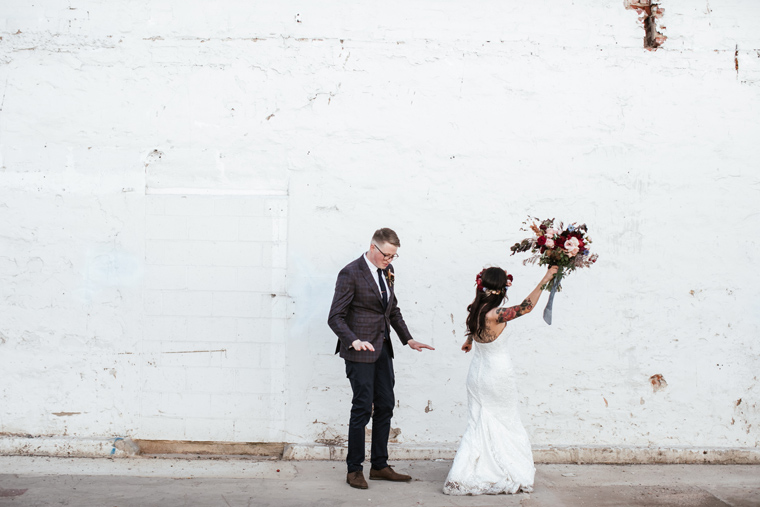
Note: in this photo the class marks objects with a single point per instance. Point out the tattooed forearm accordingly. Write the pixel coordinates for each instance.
(506, 314)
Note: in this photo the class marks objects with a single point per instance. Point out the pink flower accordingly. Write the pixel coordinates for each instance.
(550, 233)
(549, 243)
(572, 245)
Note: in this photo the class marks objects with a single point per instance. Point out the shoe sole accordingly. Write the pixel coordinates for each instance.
(357, 487)
(392, 480)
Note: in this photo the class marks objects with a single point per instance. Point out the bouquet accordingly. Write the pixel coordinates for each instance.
(553, 245)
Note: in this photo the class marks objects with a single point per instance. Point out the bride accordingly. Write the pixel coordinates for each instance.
(494, 455)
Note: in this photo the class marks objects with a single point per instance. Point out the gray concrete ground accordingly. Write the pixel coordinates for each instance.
(168, 482)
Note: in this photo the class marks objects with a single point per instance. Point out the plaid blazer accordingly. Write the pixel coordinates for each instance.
(357, 313)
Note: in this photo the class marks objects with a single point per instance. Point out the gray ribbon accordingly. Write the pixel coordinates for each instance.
(550, 304)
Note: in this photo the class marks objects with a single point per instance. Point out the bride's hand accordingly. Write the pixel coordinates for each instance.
(550, 273)
(467, 346)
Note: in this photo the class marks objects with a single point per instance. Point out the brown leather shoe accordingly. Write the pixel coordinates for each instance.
(388, 474)
(356, 480)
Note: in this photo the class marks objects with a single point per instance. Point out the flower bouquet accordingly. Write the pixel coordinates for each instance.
(565, 247)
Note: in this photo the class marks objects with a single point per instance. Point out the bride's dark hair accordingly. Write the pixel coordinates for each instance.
(491, 291)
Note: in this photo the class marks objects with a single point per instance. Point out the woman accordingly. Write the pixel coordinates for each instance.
(494, 455)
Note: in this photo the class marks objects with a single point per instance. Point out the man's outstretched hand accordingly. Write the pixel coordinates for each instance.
(414, 344)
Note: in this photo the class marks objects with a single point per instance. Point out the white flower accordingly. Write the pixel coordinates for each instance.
(571, 245)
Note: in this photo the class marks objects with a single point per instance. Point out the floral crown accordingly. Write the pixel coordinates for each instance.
(490, 292)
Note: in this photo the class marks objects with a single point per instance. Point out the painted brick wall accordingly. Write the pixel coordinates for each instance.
(165, 170)
(213, 341)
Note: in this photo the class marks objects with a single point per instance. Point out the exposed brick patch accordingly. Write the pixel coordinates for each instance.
(649, 13)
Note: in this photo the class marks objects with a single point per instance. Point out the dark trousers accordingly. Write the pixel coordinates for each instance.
(372, 384)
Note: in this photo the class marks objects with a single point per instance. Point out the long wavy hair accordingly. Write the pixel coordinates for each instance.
(493, 280)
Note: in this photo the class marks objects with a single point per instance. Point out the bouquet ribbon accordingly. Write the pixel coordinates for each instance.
(550, 304)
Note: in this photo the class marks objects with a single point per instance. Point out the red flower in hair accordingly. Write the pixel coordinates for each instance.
(479, 281)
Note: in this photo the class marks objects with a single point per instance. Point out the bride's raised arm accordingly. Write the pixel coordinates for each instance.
(507, 314)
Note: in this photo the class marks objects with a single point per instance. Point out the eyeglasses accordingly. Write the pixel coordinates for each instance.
(386, 256)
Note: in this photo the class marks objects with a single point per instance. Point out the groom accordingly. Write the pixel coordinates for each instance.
(363, 310)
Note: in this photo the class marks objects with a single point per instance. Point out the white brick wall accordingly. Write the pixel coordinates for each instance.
(207, 295)
(165, 169)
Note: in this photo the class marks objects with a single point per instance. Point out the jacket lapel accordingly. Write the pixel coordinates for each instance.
(370, 278)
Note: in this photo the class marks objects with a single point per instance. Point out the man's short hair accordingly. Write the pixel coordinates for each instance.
(386, 235)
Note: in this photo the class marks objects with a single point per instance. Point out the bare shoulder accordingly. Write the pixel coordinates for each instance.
(493, 315)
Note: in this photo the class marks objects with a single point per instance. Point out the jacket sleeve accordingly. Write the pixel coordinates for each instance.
(344, 294)
(397, 322)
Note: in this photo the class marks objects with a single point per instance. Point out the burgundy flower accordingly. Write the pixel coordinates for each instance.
(541, 241)
(479, 281)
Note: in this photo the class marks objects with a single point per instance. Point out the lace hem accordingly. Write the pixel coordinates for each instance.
(457, 489)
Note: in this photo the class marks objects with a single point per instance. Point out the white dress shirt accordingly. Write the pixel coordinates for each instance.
(373, 269)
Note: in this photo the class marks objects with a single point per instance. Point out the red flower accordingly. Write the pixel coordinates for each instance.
(541, 241)
(479, 281)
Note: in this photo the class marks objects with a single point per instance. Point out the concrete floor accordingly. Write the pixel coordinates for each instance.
(169, 482)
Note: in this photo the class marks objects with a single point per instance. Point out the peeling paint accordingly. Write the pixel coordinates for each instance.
(736, 60)
(649, 13)
(658, 382)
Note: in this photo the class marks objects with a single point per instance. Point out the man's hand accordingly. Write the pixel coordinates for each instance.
(414, 344)
(467, 346)
(360, 345)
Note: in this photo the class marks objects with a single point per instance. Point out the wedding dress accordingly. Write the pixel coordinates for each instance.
(494, 455)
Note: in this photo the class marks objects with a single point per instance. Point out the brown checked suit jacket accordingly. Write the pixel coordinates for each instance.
(357, 313)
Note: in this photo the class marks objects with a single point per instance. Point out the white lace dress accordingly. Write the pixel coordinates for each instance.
(494, 455)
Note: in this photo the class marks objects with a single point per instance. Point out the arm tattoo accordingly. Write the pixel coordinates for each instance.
(507, 314)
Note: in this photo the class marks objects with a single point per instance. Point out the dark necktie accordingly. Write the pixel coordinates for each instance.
(383, 291)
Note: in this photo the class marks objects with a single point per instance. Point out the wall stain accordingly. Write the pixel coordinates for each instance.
(658, 382)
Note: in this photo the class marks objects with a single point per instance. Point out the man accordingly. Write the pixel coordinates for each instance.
(364, 308)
